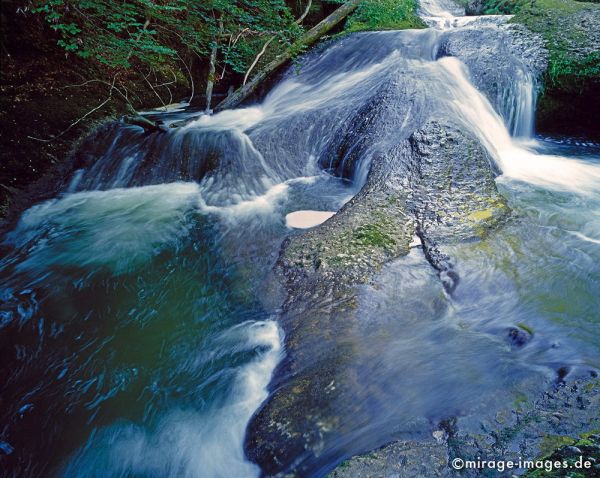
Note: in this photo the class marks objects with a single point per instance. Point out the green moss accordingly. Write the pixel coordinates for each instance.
(552, 449)
(373, 235)
(393, 199)
(344, 464)
(591, 386)
(481, 215)
(571, 96)
(488, 207)
(566, 68)
(385, 15)
(525, 327)
(551, 443)
(520, 400)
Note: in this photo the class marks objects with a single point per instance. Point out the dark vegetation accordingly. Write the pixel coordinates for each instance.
(66, 65)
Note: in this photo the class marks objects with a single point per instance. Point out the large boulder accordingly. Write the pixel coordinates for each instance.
(430, 181)
(439, 184)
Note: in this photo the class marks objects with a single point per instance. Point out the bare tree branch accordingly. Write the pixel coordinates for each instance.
(306, 10)
(257, 58)
(152, 88)
(264, 48)
(112, 87)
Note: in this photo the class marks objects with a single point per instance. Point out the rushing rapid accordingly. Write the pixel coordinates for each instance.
(139, 317)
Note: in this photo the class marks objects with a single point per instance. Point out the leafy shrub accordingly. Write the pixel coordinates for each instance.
(157, 32)
(385, 15)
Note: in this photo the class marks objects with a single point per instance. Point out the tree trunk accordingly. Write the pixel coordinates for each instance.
(210, 80)
(308, 39)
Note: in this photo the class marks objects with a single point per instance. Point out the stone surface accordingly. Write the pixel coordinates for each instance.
(560, 425)
(414, 459)
(427, 176)
(425, 184)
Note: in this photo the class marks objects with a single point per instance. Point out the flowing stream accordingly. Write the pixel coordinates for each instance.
(138, 323)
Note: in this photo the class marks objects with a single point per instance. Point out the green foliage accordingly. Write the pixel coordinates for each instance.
(573, 60)
(571, 64)
(122, 34)
(501, 7)
(157, 35)
(385, 15)
(570, 72)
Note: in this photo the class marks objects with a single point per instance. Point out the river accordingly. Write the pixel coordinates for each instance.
(139, 323)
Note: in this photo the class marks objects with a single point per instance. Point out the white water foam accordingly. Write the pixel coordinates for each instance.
(440, 14)
(264, 207)
(260, 205)
(515, 161)
(118, 228)
(293, 96)
(191, 443)
(583, 237)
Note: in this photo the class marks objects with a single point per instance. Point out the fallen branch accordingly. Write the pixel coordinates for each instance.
(148, 125)
(264, 48)
(112, 87)
(308, 39)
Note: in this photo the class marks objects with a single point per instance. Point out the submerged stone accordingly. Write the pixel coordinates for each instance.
(530, 434)
(518, 337)
(6, 448)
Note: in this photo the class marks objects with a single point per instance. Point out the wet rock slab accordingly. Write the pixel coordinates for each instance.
(429, 176)
(398, 459)
(425, 184)
(560, 425)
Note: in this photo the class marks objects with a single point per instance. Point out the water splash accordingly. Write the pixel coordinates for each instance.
(515, 161)
(190, 443)
(119, 229)
(442, 14)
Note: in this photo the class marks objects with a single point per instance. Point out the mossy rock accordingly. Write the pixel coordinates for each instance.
(571, 30)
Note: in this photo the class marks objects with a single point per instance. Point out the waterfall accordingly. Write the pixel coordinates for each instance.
(516, 160)
(521, 106)
(140, 299)
(239, 155)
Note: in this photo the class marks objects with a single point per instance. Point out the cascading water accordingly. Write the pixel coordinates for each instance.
(137, 308)
(514, 159)
(184, 442)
